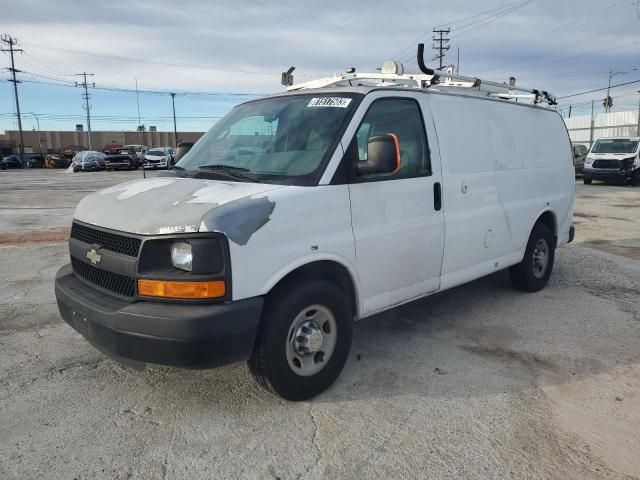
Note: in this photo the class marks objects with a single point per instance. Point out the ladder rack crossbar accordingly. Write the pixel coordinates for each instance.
(423, 81)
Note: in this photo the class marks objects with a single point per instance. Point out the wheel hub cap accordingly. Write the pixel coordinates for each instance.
(308, 338)
(311, 340)
(540, 258)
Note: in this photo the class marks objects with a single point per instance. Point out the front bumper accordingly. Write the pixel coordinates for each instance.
(118, 164)
(148, 164)
(606, 173)
(180, 335)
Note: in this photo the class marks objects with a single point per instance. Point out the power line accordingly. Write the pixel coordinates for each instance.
(572, 57)
(455, 24)
(66, 83)
(598, 89)
(482, 22)
(9, 40)
(223, 68)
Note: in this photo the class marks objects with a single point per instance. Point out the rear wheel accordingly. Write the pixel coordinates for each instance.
(303, 340)
(533, 273)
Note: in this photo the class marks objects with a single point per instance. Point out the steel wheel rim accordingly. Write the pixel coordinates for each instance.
(311, 340)
(540, 258)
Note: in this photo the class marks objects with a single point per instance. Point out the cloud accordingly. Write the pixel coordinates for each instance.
(319, 38)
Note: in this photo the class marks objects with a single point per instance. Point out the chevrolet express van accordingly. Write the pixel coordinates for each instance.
(300, 213)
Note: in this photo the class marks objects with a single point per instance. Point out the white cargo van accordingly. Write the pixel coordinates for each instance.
(613, 160)
(299, 213)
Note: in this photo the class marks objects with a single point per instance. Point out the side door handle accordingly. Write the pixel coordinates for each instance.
(437, 196)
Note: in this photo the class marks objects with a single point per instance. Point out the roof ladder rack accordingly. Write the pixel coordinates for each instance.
(392, 75)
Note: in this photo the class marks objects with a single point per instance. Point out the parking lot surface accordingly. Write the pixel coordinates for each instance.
(480, 381)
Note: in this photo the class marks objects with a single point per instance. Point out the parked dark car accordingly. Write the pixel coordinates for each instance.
(579, 155)
(111, 148)
(122, 159)
(12, 161)
(89, 161)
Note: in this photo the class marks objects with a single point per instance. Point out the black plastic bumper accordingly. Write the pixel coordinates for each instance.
(181, 335)
(572, 233)
(602, 174)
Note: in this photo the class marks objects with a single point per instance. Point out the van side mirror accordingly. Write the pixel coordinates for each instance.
(383, 155)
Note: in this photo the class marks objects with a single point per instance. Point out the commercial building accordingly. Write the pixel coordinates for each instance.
(53, 141)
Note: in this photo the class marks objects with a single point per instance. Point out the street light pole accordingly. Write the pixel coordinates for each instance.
(612, 74)
(39, 139)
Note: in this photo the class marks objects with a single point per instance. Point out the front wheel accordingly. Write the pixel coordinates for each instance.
(635, 178)
(587, 181)
(303, 340)
(532, 274)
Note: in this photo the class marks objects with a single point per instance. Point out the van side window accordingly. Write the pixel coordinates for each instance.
(399, 116)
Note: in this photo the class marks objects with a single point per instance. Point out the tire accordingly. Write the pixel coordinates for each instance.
(587, 181)
(532, 274)
(635, 178)
(286, 315)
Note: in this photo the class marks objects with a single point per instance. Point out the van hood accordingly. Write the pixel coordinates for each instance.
(612, 155)
(163, 205)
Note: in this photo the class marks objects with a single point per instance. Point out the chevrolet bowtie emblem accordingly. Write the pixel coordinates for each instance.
(93, 256)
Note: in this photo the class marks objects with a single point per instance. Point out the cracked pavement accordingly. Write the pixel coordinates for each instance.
(480, 381)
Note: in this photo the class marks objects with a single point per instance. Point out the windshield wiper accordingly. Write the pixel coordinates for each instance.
(230, 170)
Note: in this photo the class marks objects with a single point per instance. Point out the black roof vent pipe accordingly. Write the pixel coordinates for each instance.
(423, 68)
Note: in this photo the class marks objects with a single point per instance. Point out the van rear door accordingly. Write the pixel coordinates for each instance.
(397, 218)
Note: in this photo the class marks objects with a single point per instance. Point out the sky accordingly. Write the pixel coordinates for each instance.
(214, 55)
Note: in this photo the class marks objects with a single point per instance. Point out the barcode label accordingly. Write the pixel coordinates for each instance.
(336, 102)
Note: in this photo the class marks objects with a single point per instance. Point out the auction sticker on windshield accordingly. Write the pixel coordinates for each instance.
(338, 102)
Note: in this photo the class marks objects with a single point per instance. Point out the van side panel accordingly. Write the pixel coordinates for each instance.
(307, 224)
(504, 165)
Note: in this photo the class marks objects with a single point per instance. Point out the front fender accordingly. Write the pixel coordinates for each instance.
(277, 277)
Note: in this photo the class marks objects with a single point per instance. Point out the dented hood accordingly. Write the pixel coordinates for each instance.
(163, 205)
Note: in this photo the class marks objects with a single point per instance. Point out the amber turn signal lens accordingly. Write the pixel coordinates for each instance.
(182, 290)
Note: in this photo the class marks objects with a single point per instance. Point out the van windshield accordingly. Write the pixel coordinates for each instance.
(285, 139)
(617, 145)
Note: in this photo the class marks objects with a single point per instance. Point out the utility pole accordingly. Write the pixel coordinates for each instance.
(442, 44)
(175, 128)
(608, 101)
(9, 40)
(87, 107)
(593, 124)
(638, 133)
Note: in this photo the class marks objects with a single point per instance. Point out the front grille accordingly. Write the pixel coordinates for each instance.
(606, 164)
(114, 282)
(110, 241)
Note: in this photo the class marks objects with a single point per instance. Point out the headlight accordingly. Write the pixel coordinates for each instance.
(589, 160)
(181, 256)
